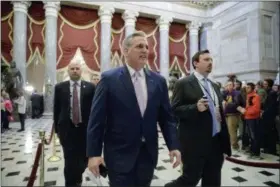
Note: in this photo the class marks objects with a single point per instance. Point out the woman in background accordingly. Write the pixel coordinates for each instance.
(3, 111)
(21, 102)
(8, 111)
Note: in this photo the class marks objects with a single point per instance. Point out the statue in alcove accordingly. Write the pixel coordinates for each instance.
(4, 71)
(17, 77)
(11, 79)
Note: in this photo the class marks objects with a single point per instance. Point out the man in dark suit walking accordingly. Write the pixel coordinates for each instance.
(36, 104)
(72, 103)
(129, 102)
(203, 133)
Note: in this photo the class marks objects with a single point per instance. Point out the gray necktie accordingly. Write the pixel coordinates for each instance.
(139, 92)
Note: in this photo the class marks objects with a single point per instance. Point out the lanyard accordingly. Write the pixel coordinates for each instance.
(214, 98)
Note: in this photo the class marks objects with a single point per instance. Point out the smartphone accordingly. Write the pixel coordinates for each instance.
(205, 101)
(103, 170)
(204, 97)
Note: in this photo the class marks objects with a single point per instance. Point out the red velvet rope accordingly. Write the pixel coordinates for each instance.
(32, 176)
(47, 142)
(254, 164)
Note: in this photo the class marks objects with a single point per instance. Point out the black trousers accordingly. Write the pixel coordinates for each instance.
(74, 150)
(3, 119)
(22, 121)
(6, 121)
(35, 112)
(207, 167)
(74, 167)
(140, 176)
(245, 135)
(269, 135)
(255, 135)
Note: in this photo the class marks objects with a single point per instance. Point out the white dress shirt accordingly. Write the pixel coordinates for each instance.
(213, 94)
(79, 95)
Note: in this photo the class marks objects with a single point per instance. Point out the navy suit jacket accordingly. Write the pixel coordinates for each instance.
(116, 120)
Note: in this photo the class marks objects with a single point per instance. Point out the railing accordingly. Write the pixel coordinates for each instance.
(40, 158)
(254, 164)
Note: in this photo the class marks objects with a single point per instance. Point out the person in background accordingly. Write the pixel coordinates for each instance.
(8, 111)
(278, 114)
(232, 115)
(95, 79)
(3, 110)
(252, 113)
(261, 92)
(237, 85)
(244, 132)
(275, 88)
(36, 104)
(268, 118)
(72, 104)
(21, 102)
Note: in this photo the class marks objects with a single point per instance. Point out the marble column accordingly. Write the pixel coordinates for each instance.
(193, 31)
(105, 13)
(205, 36)
(164, 23)
(51, 13)
(130, 18)
(19, 36)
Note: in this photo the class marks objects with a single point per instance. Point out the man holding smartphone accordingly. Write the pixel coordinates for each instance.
(203, 133)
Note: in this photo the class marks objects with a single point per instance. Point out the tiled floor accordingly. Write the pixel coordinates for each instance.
(18, 153)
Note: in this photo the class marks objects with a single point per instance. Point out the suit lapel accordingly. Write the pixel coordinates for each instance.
(129, 92)
(68, 93)
(217, 91)
(126, 80)
(196, 86)
(82, 91)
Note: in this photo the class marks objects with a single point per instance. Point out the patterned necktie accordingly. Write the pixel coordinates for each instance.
(212, 108)
(75, 106)
(139, 92)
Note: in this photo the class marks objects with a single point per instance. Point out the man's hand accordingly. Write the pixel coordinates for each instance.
(177, 155)
(241, 109)
(94, 163)
(202, 105)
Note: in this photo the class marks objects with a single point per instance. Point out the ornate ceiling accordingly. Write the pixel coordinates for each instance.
(199, 4)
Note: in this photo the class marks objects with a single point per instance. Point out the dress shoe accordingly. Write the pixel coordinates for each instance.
(175, 183)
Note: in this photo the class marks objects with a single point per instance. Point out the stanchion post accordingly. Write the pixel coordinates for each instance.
(42, 159)
(54, 157)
